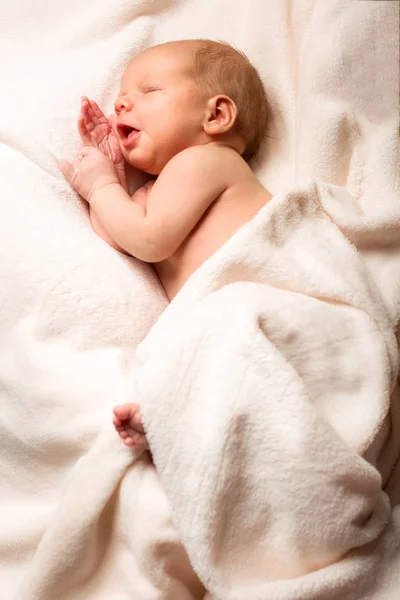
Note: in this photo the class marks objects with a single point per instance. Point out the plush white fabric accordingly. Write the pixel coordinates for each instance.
(283, 381)
(280, 354)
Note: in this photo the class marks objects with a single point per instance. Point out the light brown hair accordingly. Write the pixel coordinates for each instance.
(222, 69)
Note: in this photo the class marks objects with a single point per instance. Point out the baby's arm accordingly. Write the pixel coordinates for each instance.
(154, 229)
(102, 233)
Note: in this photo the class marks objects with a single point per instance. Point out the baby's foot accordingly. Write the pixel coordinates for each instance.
(128, 423)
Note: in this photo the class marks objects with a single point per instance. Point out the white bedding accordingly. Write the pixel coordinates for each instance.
(80, 517)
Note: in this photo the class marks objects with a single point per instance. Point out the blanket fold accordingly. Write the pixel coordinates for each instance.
(261, 386)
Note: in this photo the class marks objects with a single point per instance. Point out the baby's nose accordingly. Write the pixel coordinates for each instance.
(122, 103)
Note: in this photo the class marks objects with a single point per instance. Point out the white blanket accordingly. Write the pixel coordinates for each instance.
(282, 381)
(261, 385)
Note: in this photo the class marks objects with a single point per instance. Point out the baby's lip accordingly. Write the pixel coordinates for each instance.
(124, 130)
(129, 136)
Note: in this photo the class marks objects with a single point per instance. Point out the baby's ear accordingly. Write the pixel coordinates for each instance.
(220, 115)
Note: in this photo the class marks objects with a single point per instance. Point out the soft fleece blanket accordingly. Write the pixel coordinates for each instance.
(268, 387)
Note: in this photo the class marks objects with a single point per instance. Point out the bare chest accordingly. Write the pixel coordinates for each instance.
(216, 227)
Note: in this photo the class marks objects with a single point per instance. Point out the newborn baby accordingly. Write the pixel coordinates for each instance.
(191, 114)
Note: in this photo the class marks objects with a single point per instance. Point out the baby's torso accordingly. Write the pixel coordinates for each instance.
(235, 207)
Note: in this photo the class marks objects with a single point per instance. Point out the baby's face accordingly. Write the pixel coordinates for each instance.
(160, 109)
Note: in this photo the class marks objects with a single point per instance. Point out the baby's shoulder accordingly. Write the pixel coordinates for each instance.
(207, 155)
(212, 164)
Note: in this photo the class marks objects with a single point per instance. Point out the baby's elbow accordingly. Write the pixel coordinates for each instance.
(157, 255)
(154, 252)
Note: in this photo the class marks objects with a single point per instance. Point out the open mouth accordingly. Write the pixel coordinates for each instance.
(127, 134)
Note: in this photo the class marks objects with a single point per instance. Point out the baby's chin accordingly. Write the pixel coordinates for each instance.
(149, 165)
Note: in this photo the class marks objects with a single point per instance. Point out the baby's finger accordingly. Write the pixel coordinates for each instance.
(97, 114)
(67, 169)
(112, 121)
(87, 116)
(76, 165)
(84, 108)
(91, 113)
(86, 150)
(82, 129)
(82, 124)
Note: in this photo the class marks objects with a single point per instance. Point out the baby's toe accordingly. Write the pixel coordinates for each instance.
(137, 418)
(123, 412)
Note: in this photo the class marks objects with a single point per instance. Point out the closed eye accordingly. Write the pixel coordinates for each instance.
(151, 89)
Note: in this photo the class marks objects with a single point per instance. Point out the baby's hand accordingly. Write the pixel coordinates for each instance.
(95, 130)
(128, 423)
(90, 173)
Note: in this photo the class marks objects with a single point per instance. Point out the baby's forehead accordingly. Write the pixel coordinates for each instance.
(159, 61)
